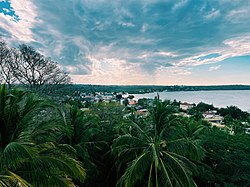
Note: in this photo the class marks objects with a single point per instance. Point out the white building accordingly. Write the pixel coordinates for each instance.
(186, 106)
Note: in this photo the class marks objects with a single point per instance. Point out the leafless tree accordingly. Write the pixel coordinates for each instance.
(35, 69)
(7, 56)
(27, 67)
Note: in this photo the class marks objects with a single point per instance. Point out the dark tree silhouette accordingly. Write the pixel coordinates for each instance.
(37, 71)
(7, 56)
(26, 66)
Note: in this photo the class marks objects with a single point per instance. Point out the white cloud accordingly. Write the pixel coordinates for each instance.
(127, 24)
(112, 71)
(141, 40)
(179, 4)
(163, 53)
(212, 14)
(144, 27)
(158, 53)
(238, 15)
(21, 29)
(6, 10)
(180, 72)
(214, 68)
(238, 46)
(110, 40)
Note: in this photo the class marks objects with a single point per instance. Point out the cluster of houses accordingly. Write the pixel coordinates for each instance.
(97, 97)
(128, 100)
(210, 116)
(123, 99)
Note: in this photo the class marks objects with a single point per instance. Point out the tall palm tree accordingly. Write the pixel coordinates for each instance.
(30, 149)
(156, 153)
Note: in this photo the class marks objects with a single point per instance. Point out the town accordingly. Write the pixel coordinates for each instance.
(139, 108)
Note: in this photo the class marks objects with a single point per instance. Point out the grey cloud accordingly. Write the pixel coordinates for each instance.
(72, 30)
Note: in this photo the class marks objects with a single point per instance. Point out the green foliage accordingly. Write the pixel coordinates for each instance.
(42, 144)
(155, 153)
(200, 108)
(228, 156)
(31, 151)
(233, 112)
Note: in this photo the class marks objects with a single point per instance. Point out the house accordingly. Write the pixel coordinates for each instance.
(142, 112)
(108, 97)
(132, 103)
(209, 114)
(186, 106)
(98, 98)
(212, 117)
(87, 99)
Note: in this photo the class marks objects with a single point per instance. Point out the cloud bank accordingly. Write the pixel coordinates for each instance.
(134, 43)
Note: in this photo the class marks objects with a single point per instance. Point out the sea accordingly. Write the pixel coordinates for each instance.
(239, 98)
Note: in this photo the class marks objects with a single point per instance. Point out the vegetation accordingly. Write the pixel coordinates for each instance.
(32, 150)
(228, 157)
(140, 89)
(154, 153)
(43, 144)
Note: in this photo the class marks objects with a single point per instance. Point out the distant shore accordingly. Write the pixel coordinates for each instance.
(139, 89)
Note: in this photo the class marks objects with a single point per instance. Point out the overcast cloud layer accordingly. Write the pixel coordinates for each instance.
(136, 42)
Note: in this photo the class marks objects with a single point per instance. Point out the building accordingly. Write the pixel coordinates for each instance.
(142, 112)
(212, 117)
(186, 106)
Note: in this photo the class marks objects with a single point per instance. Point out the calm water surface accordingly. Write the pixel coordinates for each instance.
(239, 98)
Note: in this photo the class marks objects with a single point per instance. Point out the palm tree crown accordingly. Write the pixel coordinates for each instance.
(156, 152)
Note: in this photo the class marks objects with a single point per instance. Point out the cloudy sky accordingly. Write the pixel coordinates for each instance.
(156, 42)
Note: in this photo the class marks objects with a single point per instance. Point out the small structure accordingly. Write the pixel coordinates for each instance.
(132, 103)
(87, 99)
(186, 106)
(247, 130)
(183, 114)
(209, 114)
(108, 97)
(218, 125)
(212, 117)
(142, 112)
(84, 109)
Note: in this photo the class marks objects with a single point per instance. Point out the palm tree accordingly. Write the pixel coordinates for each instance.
(92, 134)
(31, 152)
(156, 153)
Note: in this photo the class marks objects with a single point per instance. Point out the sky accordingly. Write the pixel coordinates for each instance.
(133, 42)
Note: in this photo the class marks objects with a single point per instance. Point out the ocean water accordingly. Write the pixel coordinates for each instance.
(239, 98)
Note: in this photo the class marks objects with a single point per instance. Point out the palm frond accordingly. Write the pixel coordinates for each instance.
(180, 173)
(11, 179)
(15, 153)
(135, 171)
(189, 148)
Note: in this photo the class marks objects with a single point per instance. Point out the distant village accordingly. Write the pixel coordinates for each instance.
(139, 107)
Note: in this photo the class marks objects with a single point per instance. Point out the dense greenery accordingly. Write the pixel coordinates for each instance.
(228, 157)
(32, 150)
(48, 144)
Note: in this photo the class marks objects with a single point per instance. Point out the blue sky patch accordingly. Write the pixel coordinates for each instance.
(6, 9)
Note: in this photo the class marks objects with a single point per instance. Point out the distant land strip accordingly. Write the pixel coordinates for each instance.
(139, 89)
